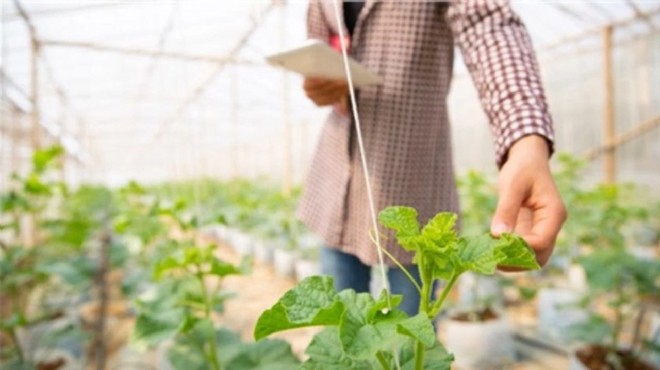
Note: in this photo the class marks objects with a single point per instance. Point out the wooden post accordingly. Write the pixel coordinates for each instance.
(35, 131)
(233, 92)
(286, 114)
(16, 141)
(609, 129)
(304, 148)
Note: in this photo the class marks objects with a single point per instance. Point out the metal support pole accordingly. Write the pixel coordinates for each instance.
(609, 128)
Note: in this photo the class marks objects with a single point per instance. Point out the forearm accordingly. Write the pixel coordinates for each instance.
(498, 52)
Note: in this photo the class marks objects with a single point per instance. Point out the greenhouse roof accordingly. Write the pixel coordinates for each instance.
(140, 74)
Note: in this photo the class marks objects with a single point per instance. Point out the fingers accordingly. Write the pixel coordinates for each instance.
(547, 219)
(539, 222)
(512, 195)
(323, 91)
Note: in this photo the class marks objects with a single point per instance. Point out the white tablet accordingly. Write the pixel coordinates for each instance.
(317, 59)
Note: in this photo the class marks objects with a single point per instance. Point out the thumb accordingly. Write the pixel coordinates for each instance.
(506, 214)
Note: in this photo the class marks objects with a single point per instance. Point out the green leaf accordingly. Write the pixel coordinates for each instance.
(479, 254)
(221, 268)
(156, 325)
(440, 230)
(266, 354)
(326, 353)
(593, 330)
(188, 352)
(483, 253)
(517, 252)
(418, 327)
(435, 358)
(382, 303)
(358, 308)
(403, 220)
(15, 320)
(77, 272)
(42, 159)
(34, 185)
(312, 302)
(164, 266)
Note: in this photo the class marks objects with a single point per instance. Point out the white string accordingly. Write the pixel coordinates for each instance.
(363, 157)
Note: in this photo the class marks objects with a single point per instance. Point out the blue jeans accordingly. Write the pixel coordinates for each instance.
(350, 273)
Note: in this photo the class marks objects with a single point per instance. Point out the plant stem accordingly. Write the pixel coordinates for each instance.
(399, 265)
(382, 360)
(102, 273)
(213, 354)
(423, 307)
(443, 296)
(17, 344)
(419, 356)
(618, 317)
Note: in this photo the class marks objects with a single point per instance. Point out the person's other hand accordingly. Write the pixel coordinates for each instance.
(529, 202)
(324, 91)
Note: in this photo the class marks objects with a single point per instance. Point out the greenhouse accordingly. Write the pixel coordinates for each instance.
(197, 185)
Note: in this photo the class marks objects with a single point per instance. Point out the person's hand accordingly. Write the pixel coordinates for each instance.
(529, 202)
(324, 91)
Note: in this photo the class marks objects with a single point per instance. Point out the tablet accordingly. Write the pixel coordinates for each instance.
(318, 59)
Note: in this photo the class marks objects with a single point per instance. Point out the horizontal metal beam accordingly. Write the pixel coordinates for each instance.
(149, 53)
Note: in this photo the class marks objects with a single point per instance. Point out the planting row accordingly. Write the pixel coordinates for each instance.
(77, 266)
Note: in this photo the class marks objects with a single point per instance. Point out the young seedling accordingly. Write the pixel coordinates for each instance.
(361, 332)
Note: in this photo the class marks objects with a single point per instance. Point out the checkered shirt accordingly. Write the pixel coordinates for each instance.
(404, 120)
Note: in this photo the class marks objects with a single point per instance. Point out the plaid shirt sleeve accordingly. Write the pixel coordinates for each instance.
(499, 55)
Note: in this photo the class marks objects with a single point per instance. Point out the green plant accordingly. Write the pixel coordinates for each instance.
(34, 271)
(613, 275)
(182, 307)
(364, 333)
(622, 284)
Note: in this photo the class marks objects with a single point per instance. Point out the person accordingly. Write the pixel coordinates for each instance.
(405, 127)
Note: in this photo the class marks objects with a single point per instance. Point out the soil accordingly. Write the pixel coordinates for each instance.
(257, 292)
(594, 357)
(479, 316)
(51, 365)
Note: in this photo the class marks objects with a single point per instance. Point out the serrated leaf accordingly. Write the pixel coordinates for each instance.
(418, 327)
(312, 302)
(517, 252)
(355, 323)
(441, 264)
(479, 254)
(267, 354)
(403, 220)
(326, 353)
(364, 329)
(440, 230)
(484, 253)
